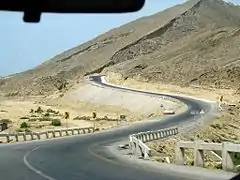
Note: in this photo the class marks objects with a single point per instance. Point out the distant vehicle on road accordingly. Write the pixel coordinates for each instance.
(168, 112)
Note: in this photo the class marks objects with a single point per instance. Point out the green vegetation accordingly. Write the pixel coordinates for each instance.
(24, 117)
(46, 114)
(24, 125)
(56, 122)
(39, 110)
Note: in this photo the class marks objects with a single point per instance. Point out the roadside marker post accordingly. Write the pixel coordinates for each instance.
(121, 118)
(94, 115)
(66, 116)
(220, 102)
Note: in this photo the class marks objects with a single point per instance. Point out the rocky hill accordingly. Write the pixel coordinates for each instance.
(195, 43)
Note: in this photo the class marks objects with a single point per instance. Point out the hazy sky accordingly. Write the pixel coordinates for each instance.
(23, 46)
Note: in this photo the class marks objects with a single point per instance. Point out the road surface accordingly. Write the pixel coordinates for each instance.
(84, 157)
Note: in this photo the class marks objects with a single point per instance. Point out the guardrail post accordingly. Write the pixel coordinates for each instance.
(38, 136)
(167, 132)
(8, 138)
(198, 154)
(53, 133)
(60, 132)
(72, 131)
(145, 154)
(89, 130)
(84, 131)
(155, 136)
(137, 150)
(24, 137)
(131, 145)
(66, 131)
(32, 136)
(158, 135)
(144, 137)
(161, 134)
(147, 137)
(132, 148)
(227, 163)
(151, 136)
(179, 152)
(47, 136)
(16, 137)
(78, 131)
(164, 133)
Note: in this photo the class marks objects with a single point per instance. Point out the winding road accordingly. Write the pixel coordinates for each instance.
(85, 157)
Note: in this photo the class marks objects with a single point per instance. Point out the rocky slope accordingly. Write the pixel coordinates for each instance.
(196, 43)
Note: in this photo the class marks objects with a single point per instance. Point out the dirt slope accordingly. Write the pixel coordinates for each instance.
(193, 43)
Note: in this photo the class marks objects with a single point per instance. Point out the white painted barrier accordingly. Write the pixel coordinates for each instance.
(136, 141)
(55, 133)
(200, 146)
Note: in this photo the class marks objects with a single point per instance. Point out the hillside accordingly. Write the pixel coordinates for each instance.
(195, 43)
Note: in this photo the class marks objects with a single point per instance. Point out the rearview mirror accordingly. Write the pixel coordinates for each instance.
(33, 9)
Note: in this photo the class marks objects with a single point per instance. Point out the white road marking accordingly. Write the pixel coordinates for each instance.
(34, 169)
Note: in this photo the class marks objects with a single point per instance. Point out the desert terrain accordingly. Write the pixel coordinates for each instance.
(191, 49)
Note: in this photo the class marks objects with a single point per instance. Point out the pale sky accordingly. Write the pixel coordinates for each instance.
(25, 46)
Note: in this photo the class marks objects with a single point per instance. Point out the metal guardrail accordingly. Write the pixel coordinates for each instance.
(137, 141)
(200, 146)
(54, 133)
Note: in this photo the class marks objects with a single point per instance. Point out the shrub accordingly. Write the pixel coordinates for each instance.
(46, 115)
(24, 117)
(31, 111)
(39, 110)
(56, 122)
(24, 125)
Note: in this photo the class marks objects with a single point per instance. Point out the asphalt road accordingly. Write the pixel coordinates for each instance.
(84, 157)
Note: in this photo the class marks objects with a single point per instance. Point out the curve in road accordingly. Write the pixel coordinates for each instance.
(85, 157)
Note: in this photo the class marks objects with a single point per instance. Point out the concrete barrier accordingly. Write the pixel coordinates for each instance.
(38, 135)
(137, 141)
(200, 146)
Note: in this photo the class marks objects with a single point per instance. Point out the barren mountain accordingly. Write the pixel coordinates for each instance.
(195, 43)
